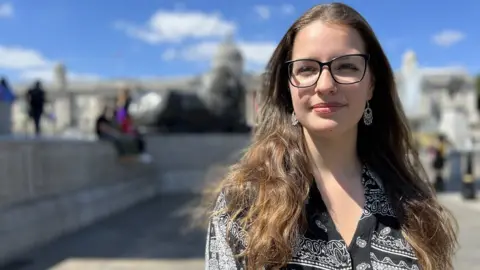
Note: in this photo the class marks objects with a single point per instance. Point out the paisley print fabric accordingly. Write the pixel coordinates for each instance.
(378, 243)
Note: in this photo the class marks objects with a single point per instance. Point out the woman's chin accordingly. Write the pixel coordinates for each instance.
(324, 127)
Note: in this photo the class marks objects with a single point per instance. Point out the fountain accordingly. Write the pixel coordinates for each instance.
(217, 106)
(454, 121)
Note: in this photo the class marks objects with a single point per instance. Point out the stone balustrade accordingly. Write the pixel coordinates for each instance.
(49, 188)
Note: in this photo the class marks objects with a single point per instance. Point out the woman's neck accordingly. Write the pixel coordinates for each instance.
(334, 159)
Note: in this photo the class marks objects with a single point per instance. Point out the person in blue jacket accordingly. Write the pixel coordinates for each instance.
(6, 94)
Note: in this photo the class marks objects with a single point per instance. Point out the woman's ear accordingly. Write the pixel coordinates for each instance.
(370, 93)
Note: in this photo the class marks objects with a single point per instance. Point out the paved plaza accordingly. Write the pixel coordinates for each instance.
(468, 217)
(149, 236)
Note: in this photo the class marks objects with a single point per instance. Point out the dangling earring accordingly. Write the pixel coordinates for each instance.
(294, 119)
(367, 115)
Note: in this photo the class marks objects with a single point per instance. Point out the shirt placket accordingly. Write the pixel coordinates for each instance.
(360, 246)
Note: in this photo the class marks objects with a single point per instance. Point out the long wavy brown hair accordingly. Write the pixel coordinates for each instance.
(267, 188)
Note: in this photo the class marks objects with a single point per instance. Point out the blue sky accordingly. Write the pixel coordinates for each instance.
(166, 38)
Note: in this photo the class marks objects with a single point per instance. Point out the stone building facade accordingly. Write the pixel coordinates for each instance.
(424, 93)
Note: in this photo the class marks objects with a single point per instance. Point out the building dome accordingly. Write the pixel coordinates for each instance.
(228, 55)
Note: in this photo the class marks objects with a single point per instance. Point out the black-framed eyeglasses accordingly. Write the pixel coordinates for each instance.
(345, 69)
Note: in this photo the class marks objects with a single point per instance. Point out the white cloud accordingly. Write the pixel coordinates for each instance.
(202, 51)
(21, 58)
(31, 64)
(265, 12)
(257, 53)
(6, 10)
(254, 53)
(204, 29)
(176, 26)
(287, 9)
(448, 38)
(262, 11)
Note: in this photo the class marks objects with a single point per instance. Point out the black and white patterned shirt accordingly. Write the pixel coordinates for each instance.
(378, 243)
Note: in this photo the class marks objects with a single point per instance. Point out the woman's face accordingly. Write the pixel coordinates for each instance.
(329, 107)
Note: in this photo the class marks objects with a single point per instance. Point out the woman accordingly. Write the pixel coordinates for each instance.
(329, 181)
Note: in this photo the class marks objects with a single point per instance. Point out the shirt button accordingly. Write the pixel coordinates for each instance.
(361, 243)
(320, 225)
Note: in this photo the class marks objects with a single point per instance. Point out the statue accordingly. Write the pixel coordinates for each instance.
(454, 122)
(217, 106)
(174, 111)
(411, 92)
(455, 85)
(60, 76)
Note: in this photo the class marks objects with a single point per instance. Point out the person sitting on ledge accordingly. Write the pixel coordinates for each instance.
(107, 130)
(129, 129)
(127, 126)
(127, 146)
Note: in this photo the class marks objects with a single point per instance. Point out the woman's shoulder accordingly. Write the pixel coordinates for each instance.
(234, 198)
(220, 200)
(225, 220)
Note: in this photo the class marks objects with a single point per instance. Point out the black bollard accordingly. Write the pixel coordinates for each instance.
(439, 184)
(438, 166)
(468, 184)
(439, 163)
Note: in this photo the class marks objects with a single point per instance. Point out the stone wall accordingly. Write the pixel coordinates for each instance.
(50, 188)
(184, 162)
(5, 118)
